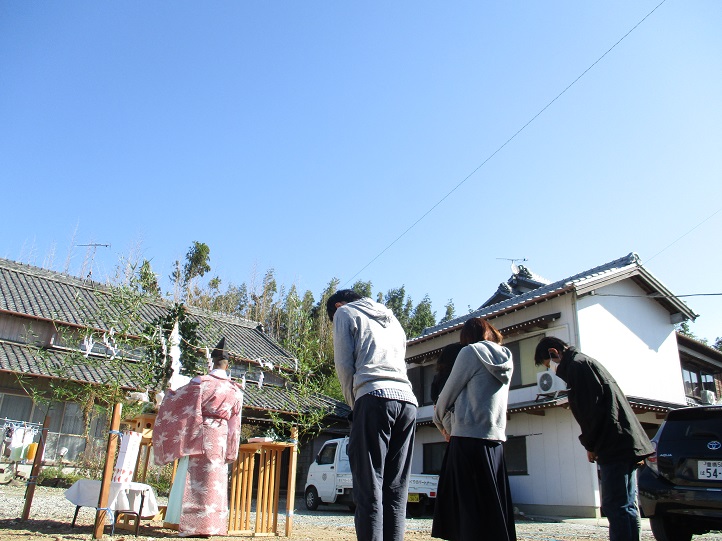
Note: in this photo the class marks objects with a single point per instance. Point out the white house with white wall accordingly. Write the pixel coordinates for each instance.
(618, 313)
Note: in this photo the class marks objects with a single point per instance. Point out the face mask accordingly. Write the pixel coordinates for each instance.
(553, 365)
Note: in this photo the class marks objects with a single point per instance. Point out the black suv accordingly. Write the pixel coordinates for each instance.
(680, 490)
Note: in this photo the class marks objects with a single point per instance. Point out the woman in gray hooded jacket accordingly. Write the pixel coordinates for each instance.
(473, 485)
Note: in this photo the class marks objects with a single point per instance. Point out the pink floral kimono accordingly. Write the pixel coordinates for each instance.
(201, 421)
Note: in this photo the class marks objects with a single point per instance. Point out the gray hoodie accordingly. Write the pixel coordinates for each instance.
(478, 387)
(369, 347)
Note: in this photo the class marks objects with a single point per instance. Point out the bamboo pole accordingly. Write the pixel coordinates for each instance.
(291, 490)
(277, 491)
(100, 513)
(37, 465)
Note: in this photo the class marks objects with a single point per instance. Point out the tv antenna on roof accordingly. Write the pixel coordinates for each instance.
(94, 246)
(514, 266)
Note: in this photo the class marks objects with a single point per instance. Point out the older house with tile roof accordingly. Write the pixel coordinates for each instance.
(35, 303)
(618, 313)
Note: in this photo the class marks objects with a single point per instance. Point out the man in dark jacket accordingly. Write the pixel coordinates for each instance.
(611, 432)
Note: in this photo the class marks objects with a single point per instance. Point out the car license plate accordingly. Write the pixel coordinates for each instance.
(413, 498)
(709, 469)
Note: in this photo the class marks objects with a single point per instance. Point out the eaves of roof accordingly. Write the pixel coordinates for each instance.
(639, 405)
(284, 400)
(699, 347)
(31, 361)
(537, 407)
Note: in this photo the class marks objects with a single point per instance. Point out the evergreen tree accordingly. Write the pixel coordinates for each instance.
(396, 301)
(363, 288)
(450, 312)
(423, 317)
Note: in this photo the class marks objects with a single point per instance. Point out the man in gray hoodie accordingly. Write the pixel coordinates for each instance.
(369, 350)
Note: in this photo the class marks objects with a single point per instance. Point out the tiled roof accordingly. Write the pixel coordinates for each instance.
(284, 400)
(19, 358)
(40, 293)
(30, 361)
(624, 266)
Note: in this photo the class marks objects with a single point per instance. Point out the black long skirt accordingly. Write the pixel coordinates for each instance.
(473, 499)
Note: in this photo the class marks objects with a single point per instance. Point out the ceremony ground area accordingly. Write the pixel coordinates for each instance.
(51, 515)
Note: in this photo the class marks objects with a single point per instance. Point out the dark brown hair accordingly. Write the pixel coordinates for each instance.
(477, 329)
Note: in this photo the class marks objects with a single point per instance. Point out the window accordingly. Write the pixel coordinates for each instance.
(427, 377)
(73, 422)
(522, 352)
(415, 378)
(421, 378)
(15, 407)
(515, 455)
(327, 454)
(516, 357)
(696, 380)
(433, 457)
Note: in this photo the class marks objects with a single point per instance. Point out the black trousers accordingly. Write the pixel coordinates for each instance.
(473, 500)
(379, 451)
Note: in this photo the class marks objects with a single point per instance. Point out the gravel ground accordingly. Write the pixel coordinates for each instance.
(51, 515)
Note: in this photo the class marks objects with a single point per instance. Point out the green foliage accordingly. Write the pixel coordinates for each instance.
(158, 336)
(683, 328)
(159, 477)
(449, 314)
(397, 302)
(148, 279)
(422, 317)
(58, 476)
(363, 288)
(718, 343)
(114, 329)
(196, 261)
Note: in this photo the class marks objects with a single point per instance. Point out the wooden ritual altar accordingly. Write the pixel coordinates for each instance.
(268, 489)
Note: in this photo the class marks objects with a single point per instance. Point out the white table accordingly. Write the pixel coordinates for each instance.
(130, 498)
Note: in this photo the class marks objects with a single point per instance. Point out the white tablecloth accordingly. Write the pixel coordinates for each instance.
(122, 496)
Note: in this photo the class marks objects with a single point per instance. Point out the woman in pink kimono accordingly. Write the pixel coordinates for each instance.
(202, 421)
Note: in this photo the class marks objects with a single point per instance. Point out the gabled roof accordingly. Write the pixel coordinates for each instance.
(521, 281)
(582, 283)
(28, 291)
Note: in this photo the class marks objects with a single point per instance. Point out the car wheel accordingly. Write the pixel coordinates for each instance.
(312, 500)
(666, 530)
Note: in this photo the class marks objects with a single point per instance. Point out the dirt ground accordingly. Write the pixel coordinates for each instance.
(41, 530)
(51, 515)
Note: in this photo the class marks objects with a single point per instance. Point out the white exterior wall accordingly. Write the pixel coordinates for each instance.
(634, 339)
(424, 434)
(559, 473)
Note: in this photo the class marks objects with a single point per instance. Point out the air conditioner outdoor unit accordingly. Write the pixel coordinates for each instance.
(708, 397)
(549, 383)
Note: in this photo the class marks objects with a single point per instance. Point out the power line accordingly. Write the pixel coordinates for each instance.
(687, 233)
(509, 140)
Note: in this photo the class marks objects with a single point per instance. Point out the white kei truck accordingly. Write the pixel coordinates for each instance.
(329, 481)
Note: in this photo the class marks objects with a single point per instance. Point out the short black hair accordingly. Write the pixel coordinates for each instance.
(447, 357)
(541, 353)
(342, 295)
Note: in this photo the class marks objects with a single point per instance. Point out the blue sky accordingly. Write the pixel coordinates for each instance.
(307, 136)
